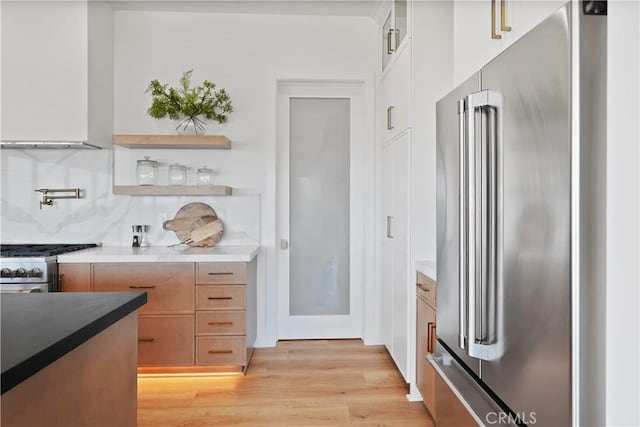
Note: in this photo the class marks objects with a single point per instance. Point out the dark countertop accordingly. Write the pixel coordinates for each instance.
(38, 329)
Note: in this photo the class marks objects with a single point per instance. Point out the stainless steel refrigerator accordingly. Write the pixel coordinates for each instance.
(518, 182)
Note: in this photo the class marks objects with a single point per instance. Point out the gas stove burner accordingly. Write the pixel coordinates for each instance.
(41, 250)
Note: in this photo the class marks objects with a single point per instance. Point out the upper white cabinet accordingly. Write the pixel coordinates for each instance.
(396, 95)
(394, 30)
(48, 74)
(474, 43)
(524, 15)
(484, 28)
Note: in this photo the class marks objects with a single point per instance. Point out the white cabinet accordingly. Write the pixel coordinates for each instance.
(478, 38)
(394, 250)
(395, 29)
(395, 189)
(473, 42)
(396, 95)
(46, 80)
(522, 16)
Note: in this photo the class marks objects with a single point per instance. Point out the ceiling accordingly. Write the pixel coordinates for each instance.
(364, 8)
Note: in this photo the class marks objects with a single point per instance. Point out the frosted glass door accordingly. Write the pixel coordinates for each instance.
(319, 147)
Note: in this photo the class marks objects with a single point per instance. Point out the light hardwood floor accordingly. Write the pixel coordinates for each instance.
(297, 383)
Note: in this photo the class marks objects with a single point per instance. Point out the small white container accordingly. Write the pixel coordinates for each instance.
(205, 176)
(177, 174)
(146, 172)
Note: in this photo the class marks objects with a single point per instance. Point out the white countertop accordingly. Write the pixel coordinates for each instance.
(161, 254)
(428, 268)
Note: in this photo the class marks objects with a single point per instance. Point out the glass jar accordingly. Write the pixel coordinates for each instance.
(205, 176)
(146, 172)
(177, 174)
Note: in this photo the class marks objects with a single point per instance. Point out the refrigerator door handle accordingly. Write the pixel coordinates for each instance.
(481, 348)
(462, 260)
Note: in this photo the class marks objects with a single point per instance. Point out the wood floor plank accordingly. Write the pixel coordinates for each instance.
(297, 383)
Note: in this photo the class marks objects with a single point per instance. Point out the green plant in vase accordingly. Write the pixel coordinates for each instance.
(189, 103)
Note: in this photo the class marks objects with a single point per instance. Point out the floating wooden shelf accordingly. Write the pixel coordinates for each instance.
(172, 141)
(173, 190)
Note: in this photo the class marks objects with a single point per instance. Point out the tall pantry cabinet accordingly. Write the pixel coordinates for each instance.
(395, 184)
(413, 77)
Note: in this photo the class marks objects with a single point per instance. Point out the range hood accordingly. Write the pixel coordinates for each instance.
(48, 144)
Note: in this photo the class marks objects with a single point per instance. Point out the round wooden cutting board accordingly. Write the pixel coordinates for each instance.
(190, 217)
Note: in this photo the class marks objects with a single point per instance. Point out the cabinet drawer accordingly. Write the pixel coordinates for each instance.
(221, 273)
(165, 340)
(221, 297)
(425, 377)
(426, 289)
(221, 323)
(221, 351)
(169, 287)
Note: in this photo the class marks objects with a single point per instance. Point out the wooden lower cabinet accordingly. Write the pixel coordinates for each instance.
(221, 351)
(169, 286)
(221, 323)
(198, 315)
(74, 277)
(426, 341)
(224, 336)
(221, 297)
(165, 340)
(451, 411)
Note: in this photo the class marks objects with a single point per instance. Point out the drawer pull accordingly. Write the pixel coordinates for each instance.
(219, 298)
(142, 287)
(421, 286)
(211, 273)
(220, 351)
(220, 323)
(146, 339)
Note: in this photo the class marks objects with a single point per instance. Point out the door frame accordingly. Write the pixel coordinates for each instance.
(271, 232)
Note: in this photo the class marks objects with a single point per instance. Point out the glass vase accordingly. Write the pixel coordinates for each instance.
(191, 126)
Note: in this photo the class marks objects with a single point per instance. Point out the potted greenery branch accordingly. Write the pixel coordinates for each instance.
(189, 103)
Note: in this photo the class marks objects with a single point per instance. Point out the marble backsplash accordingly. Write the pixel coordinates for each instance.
(100, 216)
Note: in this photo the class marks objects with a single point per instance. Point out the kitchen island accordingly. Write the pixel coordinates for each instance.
(69, 359)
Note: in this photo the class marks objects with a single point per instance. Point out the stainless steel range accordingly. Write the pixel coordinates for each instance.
(32, 267)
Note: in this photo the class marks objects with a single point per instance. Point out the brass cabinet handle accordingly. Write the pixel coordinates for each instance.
(389, 114)
(220, 351)
(214, 298)
(142, 287)
(211, 273)
(421, 286)
(494, 35)
(146, 339)
(503, 19)
(433, 337)
(220, 323)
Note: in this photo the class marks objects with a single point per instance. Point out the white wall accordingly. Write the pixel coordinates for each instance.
(432, 74)
(623, 215)
(244, 54)
(432, 79)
